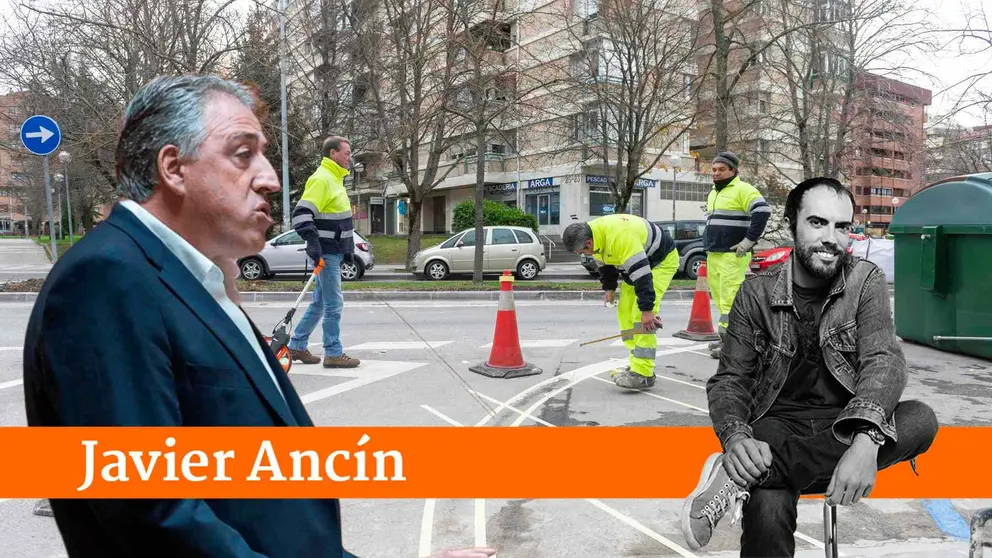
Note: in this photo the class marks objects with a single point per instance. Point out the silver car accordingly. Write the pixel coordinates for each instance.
(507, 248)
(286, 254)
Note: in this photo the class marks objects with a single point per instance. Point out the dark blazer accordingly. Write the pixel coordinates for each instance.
(122, 334)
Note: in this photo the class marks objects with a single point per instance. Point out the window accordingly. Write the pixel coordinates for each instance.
(450, 243)
(546, 207)
(524, 237)
(504, 236)
(291, 238)
(689, 230)
(469, 238)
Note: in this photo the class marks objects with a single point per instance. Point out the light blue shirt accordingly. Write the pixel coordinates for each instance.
(206, 272)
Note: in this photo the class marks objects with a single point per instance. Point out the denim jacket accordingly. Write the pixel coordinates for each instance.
(857, 338)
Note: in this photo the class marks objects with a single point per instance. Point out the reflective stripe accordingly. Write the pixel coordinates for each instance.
(336, 234)
(643, 352)
(640, 272)
(729, 223)
(636, 258)
(505, 301)
(627, 335)
(762, 209)
(755, 202)
(654, 239)
(302, 218)
(729, 213)
(304, 204)
(342, 215)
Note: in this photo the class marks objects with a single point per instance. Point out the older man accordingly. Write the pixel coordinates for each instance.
(806, 398)
(136, 326)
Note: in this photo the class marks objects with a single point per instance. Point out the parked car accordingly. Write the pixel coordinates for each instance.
(286, 254)
(766, 259)
(513, 248)
(688, 237)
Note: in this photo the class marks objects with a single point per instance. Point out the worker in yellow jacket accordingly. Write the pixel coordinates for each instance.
(736, 215)
(323, 218)
(644, 255)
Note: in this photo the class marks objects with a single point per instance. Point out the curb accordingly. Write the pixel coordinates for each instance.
(390, 296)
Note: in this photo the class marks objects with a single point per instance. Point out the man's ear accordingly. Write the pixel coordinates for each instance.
(170, 170)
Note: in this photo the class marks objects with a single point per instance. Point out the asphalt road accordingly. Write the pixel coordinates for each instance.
(403, 382)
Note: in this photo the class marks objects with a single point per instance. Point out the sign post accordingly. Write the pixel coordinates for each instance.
(41, 136)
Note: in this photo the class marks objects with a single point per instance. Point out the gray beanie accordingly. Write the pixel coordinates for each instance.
(727, 158)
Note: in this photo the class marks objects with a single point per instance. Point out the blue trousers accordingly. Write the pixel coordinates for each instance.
(328, 301)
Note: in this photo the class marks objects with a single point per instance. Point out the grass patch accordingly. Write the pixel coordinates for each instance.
(490, 285)
(62, 245)
(391, 250)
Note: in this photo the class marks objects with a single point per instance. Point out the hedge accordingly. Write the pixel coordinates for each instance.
(493, 214)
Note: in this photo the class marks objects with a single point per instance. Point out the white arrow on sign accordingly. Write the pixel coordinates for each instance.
(44, 134)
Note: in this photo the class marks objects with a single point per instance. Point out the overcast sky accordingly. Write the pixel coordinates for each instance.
(948, 67)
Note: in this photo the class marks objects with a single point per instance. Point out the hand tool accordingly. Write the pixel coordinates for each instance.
(279, 341)
(636, 326)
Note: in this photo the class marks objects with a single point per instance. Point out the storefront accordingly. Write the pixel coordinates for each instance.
(542, 199)
(601, 200)
(503, 193)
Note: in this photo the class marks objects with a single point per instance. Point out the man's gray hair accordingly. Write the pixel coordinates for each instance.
(166, 111)
(575, 236)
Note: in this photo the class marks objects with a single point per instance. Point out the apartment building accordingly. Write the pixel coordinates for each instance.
(889, 147)
(954, 150)
(541, 156)
(13, 161)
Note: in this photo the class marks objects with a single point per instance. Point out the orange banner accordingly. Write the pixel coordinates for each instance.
(412, 462)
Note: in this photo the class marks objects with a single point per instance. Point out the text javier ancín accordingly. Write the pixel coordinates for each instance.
(115, 466)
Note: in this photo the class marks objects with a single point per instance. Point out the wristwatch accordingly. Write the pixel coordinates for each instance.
(873, 433)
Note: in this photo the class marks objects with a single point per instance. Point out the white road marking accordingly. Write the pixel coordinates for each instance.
(397, 345)
(539, 343)
(512, 408)
(690, 384)
(662, 342)
(656, 396)
(11, 348)
(10, 384)
(370, 371)
(622, 517)
(637, 525)
(588, 372)
(480, 522)
(441, 415)
(426, 526)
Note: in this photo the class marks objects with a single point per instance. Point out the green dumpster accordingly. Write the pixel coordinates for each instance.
(943, 266)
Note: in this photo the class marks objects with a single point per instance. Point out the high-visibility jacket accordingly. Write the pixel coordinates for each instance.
(629, 246)
(734, 212)
(324, 210)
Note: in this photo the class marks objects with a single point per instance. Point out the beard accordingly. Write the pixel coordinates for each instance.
(816, 266)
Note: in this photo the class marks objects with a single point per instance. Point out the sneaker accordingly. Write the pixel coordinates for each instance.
(304, 356)
(632, 380)
(343, 361)
(714, 496)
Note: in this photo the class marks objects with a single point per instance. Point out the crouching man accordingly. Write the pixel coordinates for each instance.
(805, 399)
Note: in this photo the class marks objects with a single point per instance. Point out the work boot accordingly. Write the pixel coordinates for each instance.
(343, 361)
(629, 379)
(43, 508)
(304, 356)
(714, 496)
(715, 346)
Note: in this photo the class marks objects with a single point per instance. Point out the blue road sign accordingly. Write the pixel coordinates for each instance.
(40, 135)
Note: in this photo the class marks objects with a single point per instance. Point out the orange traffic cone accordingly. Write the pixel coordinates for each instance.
(505, 359)
(700, 320)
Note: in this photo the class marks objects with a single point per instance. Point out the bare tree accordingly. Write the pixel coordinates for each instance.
(634, 82)
(487, 91)
(81, 61)
(832, 72)
(405, 76)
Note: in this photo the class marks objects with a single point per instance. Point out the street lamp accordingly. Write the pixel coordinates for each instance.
(65, 158)
(675, 160)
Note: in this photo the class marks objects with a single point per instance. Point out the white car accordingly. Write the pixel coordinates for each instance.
(507, 248)
(286, 254)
